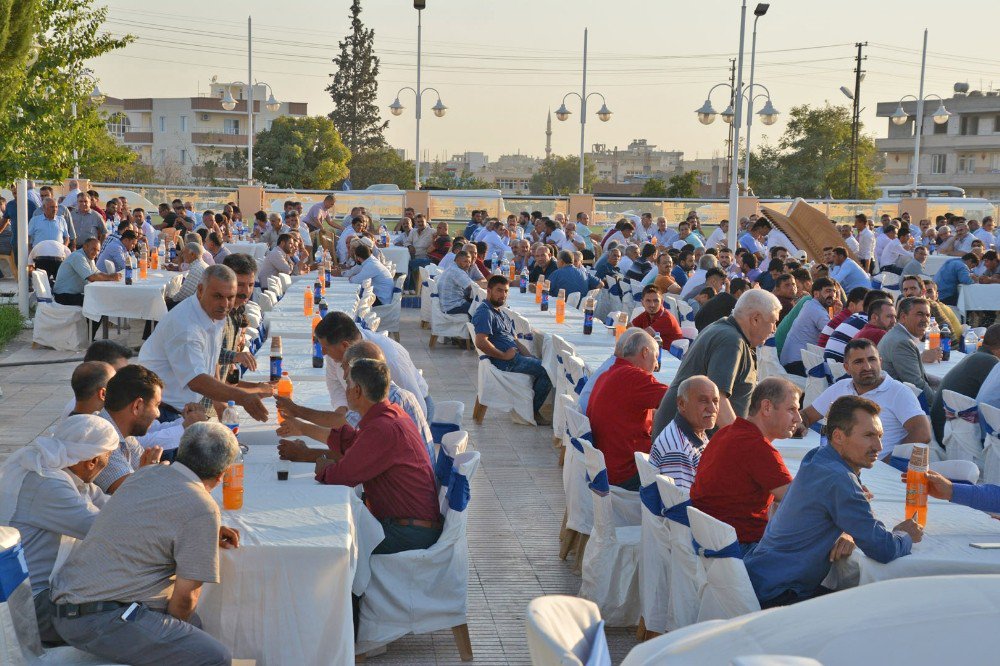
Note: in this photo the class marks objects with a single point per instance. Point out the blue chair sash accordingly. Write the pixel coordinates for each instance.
(676, 351)
(987, 428)
(971, 414)
(458, 491)
(770, 342)
(650, 497)
(13, 570)
(678, 513)
(818, 371)
(443, 466)
(42, 299)
(600, 484)
(732, 550)
(599, 653)
(439, 430)
(578, 388)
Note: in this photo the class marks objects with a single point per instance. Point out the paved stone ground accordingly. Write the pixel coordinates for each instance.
(515, 514)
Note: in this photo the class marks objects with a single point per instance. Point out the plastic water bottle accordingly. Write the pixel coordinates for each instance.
(524, 280)
(971, 341)
(275, 374)
(494, 262)
(588, 316)
(322, 308)
(128, 269)
(232, 484)
(659, 350)
(160, 256)
(916, 485)
(384, 235)
(946, 342)
(231, 418)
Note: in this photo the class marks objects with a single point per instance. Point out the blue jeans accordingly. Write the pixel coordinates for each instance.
(461, 309)
(529, 365)
(413, 271)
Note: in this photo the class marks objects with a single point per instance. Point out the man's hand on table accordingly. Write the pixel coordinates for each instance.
(842, 548)
(911, 527)
(931, 355)
(246, 359)
(193, 413)
(229, 538)
(295, 450)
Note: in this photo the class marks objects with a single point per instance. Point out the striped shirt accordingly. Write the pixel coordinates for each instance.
(677, 451)
(123, 461)
(842, 335)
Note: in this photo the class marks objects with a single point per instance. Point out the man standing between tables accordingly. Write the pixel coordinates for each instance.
(866, 242)
(184, 350)
(496, 339)
(418, 242)
(129, 590)
(807, 326)
(621, 407)
(826, 511)
(48, 226)
(741, 476)
(655, 318)
(726, 353)
(87, 222)
(968, 377)
(678, 448)
(902, 349)
(904, 420)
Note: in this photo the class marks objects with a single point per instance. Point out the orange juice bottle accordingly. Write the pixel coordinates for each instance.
(322, 286)
(153, 256)
(916, 485)
(307, 303)
(933, 335)
(284, 390)
(620, 325)
(232, 485)
(538, 289)
(561, 307)
(316, 320)
(143, 265)
(513, 273)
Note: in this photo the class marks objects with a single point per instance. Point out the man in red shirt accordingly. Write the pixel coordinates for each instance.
(881, 317)
(657, 319)
(621, 407)
(385, 454)
(741, 475)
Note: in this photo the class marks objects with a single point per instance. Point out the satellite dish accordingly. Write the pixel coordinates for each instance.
(215, 79)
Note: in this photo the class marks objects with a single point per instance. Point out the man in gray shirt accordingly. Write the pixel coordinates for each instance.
(128, 591)
(916, 265)
(88, 224)
(46, 503)
(453, 285)
(808, 325)
(903, 354)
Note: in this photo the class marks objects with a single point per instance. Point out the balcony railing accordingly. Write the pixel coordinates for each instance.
(218, 139)
(138, 137)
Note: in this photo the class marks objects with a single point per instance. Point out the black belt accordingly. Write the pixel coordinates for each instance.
(77, 610)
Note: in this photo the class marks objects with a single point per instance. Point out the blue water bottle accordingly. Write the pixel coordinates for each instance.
(322, 308)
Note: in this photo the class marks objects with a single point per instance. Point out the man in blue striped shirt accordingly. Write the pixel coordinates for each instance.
(677, 449)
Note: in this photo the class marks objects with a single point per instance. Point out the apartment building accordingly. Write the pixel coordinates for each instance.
(964, 151)
(640, 161)
(186, 136)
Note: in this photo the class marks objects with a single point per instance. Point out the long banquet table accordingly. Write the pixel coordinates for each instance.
(285, 595)
(978, 297)
(143, 299)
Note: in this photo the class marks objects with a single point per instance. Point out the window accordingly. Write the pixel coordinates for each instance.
(968, 125)
(231, 126)
(163, 123)
(938, 164)
(996, 124)
(184, 156)
(184, 123)
(995, 162)
(940, 129)
(270, 122)
(163, 155)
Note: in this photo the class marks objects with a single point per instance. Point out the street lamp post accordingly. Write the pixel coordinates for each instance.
(439, 109)
(97, 97)
(562, 113)
(759, 11)
(229, 103)
(900, 117)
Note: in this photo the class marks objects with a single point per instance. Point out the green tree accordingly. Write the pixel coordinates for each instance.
(813, 157)
(17, 32)
(684, 185)
(38, 129)
(441, 178)
(561, 175)
(355, 87)
(302, 153)
(382, 165)
(654, 187)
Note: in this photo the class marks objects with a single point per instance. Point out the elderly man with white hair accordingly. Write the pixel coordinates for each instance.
(588, 386)
(191, 255)
(725, 352)
(129, 590)
(47, 493)
(677, 449)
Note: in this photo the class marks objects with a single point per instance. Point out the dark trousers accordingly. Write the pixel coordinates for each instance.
(789, 597)
(630, 484)
(796, 368)
(50, 265)
(461, 309)
(413, 271)
(168, 414)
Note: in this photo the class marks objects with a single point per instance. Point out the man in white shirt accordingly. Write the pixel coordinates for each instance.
(554, 233)
(184, 350)
(850, 242)
(665, 236)
(374, 270)
(645, 229)
(961, 243)
(453, 285)
(777, 238)
(896, 254)
(71, 198)
(357, 226)
(717, 238)
(903, 420)
(495, 244)
(278, 260)
(866, 242)
(293, 222)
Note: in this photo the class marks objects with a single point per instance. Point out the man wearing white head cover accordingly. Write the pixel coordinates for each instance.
(46, 493)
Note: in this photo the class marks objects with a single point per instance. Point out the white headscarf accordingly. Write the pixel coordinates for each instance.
(79, 437)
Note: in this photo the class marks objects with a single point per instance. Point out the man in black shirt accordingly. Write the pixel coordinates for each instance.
(643, 264)
(721, 305)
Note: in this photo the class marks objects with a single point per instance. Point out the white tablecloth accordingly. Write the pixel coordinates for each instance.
(978, 297)
(143, 299)
(397, 255)
(939, 370)
(934, 263)
(256, 250)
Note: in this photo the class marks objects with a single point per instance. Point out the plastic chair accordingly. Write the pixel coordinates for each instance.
(991, 449)
(390, 313)
(962, 437)
(444, 325)
(425, 295)
(579, 520)
(611, 561)
(565, 631)
(727, 592)
(573, 300)
(57, 326)
(836, 369)
(505, 391)
(422, 591)
(453, 445)
(960, 471)
(567, 389)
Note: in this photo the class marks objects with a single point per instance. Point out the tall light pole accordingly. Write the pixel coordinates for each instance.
(439, 109)
(229, 103)
(97, 98)
(900, 117)
(562, 113)
(759, 11)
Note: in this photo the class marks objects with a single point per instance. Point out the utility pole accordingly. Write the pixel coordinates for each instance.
(732, 104)
(856, 119)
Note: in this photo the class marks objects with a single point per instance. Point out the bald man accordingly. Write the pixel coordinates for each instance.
(677, 449)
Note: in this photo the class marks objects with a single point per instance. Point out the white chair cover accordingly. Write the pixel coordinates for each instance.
(962, 471)
(816, 381)
(286, 281)
(448, 415)
(654, 550)
(611, 560)
(571, 379)
(573, 300)
(610, 299)
(768, 365)
(391, 312)
(962, 436)
(453, 445)
(61, 327)
(685, 573)
(815, 349)
(727, 592)
(564, 631)
(991, 450)
(425, 294)
(836, 369)
(889, 281)
(579, 506)
(503, 391)
(420, 591)
(444, 325)
(275, 285)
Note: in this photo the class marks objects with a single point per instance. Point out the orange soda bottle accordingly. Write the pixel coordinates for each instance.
(316, 320)
(307, 303)
(143, 265)
(916, 485)
(232, 485)
(538, 289)
(285, 390)
(513, 273)
(621, 324)
(561, 307)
